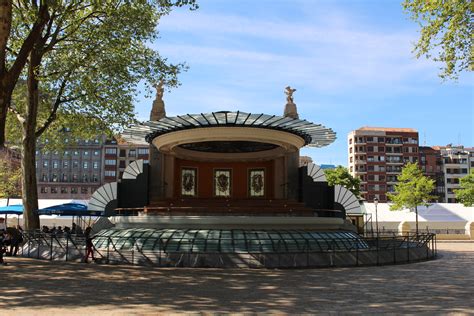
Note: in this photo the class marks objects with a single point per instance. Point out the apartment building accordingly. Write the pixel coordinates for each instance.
(118, 155)
(457, 163)
(75, 171)
(431, 163)
(82, 166)
(377, 155)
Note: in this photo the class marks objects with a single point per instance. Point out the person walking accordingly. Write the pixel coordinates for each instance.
(89, 244)
(3, 248)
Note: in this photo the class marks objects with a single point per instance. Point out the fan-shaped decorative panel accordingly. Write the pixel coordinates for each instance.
(133, 169)
(347, 199)
(315, 172)
(103, 196)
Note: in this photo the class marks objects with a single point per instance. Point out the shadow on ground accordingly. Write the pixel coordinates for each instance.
(443, 285)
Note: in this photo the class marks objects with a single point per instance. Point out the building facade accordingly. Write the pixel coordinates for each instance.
(377, 155)
(81, 167)
(431, 164)
(457, 162)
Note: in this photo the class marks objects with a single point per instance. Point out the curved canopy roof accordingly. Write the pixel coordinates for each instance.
(314, 135)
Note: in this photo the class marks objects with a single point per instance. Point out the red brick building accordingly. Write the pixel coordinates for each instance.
(377, 155)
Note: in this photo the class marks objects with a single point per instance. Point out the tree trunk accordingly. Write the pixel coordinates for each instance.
(5, 92)
(28, 165)
(5, 97)
(416, 212)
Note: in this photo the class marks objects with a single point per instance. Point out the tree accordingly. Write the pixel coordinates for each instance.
(10, 176)
(341, 176)
(13, 57)
(465, 194)
(82, 73)
(412, 190)
(446, 33)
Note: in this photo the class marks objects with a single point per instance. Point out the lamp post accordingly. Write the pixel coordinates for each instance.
(376, 202)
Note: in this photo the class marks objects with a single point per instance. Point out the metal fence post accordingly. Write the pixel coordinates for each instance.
(108, 251)
(29, 245)
(67, 246)
(38, 251)
(51, 249)
(357, 255)
(377, 245)
(408, 248)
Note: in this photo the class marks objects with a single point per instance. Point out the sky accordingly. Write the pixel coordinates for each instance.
(350, 61)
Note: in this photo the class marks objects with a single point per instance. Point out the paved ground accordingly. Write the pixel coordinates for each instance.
(446, 285)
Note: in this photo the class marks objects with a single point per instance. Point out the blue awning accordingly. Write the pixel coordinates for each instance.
(11, 210)
(69, 209)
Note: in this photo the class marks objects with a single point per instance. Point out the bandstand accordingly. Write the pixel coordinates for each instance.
(222, 184)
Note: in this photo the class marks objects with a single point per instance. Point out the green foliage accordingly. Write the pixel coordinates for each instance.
(446, 33)
(465, 194)
(412, 189)
(341, 176)
(10, 178)
(94, 55)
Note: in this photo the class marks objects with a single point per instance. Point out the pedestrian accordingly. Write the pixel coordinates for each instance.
(89, 244)
(3, 249)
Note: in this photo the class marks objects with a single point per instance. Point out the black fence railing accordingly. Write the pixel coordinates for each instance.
(380, 250)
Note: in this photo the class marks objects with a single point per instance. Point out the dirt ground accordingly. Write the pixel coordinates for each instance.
(34, 287)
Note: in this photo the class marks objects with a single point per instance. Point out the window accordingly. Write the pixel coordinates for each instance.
(54, 190)
(75, 177)
(85, 165)
(45, 163)
(222, 182)
(95, 165)
(96, 153)
(75, 164)
(110, 173)
(95, 178)
(66, 153)
(54, 177)
(76, 153)
(86, 153)
(111, 151)
(37, 152)
(55, 164)
(96, 141)
(64, 177)
(73, 190)
(132, 153)
(44, 177)
(65, 164)
(85, 178)
(188, 182)
(256, 183)
(44, 190)
(63, 190)
(122, 153)
(350, 150)
(122, 164)
(110, 162)
(84, 190)
(143, 151)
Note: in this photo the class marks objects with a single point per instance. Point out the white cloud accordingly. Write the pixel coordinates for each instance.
(330, 55)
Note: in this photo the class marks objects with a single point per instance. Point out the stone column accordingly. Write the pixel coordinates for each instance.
(292, 166)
